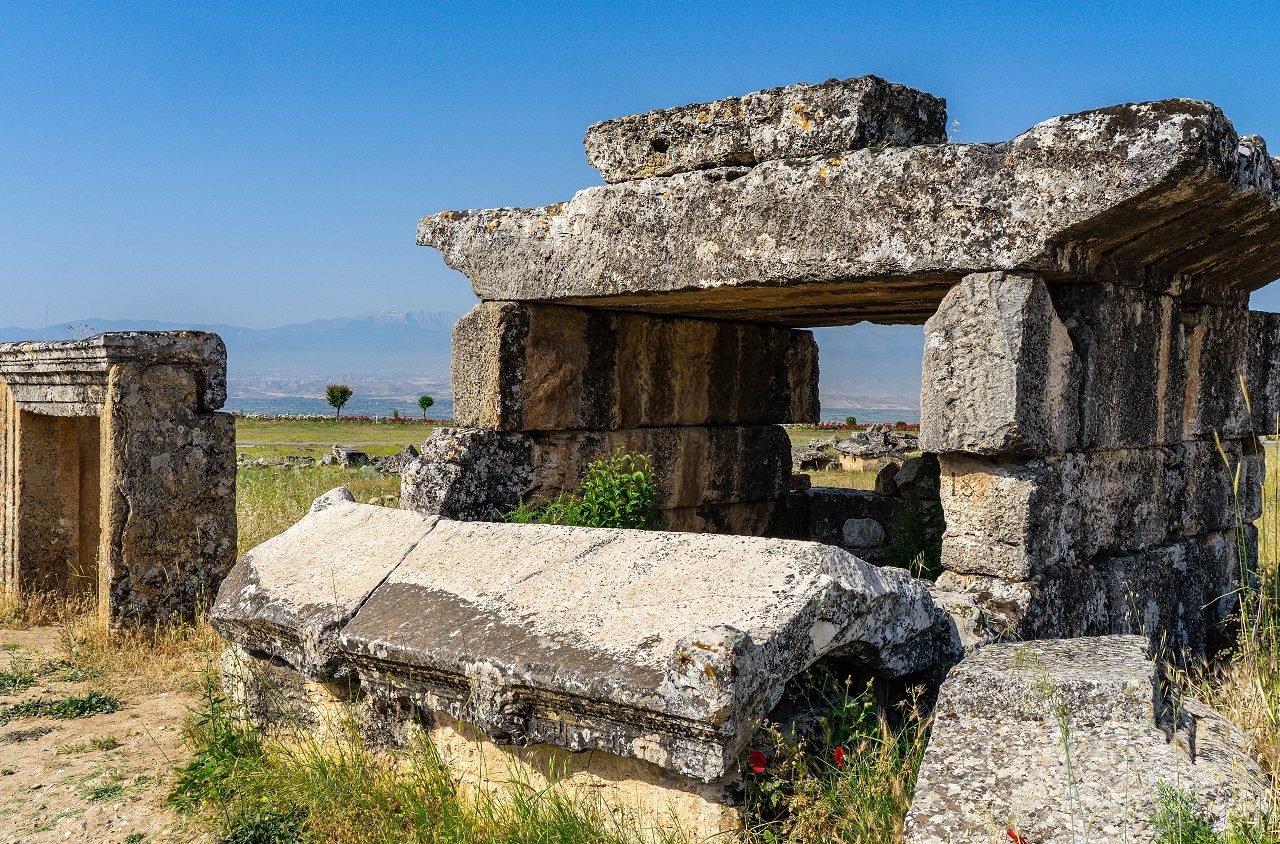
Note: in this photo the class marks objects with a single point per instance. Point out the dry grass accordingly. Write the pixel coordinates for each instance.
(843, 480)
(270, 499)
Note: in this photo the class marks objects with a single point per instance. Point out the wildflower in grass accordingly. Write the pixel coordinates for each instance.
(757, 761)
(1014, 836)
(840, 754)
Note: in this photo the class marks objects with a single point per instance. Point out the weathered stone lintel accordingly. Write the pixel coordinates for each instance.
(792, 122)
(472, 474)
(1163, 194)
(1013, 365)
(68, 378)
(1020, 520)
(530, 367)
(1181, 595)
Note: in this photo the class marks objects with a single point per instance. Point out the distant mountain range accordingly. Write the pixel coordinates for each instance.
(403, 355)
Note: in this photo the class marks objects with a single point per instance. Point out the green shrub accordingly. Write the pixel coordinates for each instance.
(617, 491)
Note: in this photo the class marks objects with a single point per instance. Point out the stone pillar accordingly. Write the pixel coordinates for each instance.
(1078, 427)
(117, 475)
(542, 390)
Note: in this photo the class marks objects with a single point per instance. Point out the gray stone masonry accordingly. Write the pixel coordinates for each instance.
(1010, 716)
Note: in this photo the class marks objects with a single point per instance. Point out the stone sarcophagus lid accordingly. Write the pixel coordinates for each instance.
(117, 473)
(522, 647)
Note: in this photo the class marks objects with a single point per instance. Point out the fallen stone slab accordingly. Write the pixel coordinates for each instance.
(1016, 365)
(1019, 520)
(1070, 741)
(1180, 594)
(1164, 191)
(792, 122)
(289, 597)
(528, 367)
(473, 474)
(657, 646)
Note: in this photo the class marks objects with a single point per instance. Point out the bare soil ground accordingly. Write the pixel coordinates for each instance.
(98, 778)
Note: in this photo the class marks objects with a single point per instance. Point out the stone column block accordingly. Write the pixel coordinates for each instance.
(529, 367)
(1013, 365)
(1019, 520)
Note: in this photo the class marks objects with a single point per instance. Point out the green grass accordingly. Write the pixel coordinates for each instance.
(271, 499)
(80, 706)
(330, 431)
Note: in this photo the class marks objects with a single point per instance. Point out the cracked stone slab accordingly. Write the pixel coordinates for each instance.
(290, 596)
(792, 122)
(1097, 725)
(1164, 194)
(658, 646)
(530, 367)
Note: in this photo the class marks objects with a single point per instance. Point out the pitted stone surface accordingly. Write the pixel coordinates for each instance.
(659, 646)
(996, 759)
(1017, 520)
(1014, 365)
(523, 367)
(289, 596)
(1180, 594)
(1164, 194)
(468, 474)
(792, 122)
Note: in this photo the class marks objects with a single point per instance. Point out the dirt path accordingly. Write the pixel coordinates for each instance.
(97, 778)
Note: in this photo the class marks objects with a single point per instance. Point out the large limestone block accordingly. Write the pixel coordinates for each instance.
(168, 520)
(1165, 191)
(1180, 594)
(519, 367)
(792, 122)
(1014, 365)
(1018, 520)
(472, 474)
(1068, 741)
(1264, 371)
(658, 646)
(289, 596)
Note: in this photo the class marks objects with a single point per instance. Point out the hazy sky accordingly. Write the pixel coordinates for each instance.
(264, 163)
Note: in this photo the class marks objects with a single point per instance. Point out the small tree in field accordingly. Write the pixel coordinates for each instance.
(851, 420)
(425, 402)
(337, 395)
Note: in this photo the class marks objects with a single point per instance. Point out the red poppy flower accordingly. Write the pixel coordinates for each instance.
(840, 757)
(1015, 837)
(757, 761)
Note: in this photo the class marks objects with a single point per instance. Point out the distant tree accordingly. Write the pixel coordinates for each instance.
(424, 402)
(851, 420)
(337, 395)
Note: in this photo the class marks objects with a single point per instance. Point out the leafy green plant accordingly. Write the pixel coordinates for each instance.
(93, 703)
(615, 491)
(337, 395)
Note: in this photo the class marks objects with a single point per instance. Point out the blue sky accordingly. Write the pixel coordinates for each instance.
(265, 163)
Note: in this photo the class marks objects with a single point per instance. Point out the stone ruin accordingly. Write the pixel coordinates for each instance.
(117, 475)
(1084, 289)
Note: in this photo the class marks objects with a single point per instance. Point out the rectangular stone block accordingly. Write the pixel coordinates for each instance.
(792, 122)
(693, 466)
(521, 367)
(1022, 519)
(1014, 365)
(1181, 594)
(1264, 371)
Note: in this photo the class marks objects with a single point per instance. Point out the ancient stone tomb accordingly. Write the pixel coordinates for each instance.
(117, 476)
(1084, 288)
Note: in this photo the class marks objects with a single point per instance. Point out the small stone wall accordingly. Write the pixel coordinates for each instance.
(117, 475)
